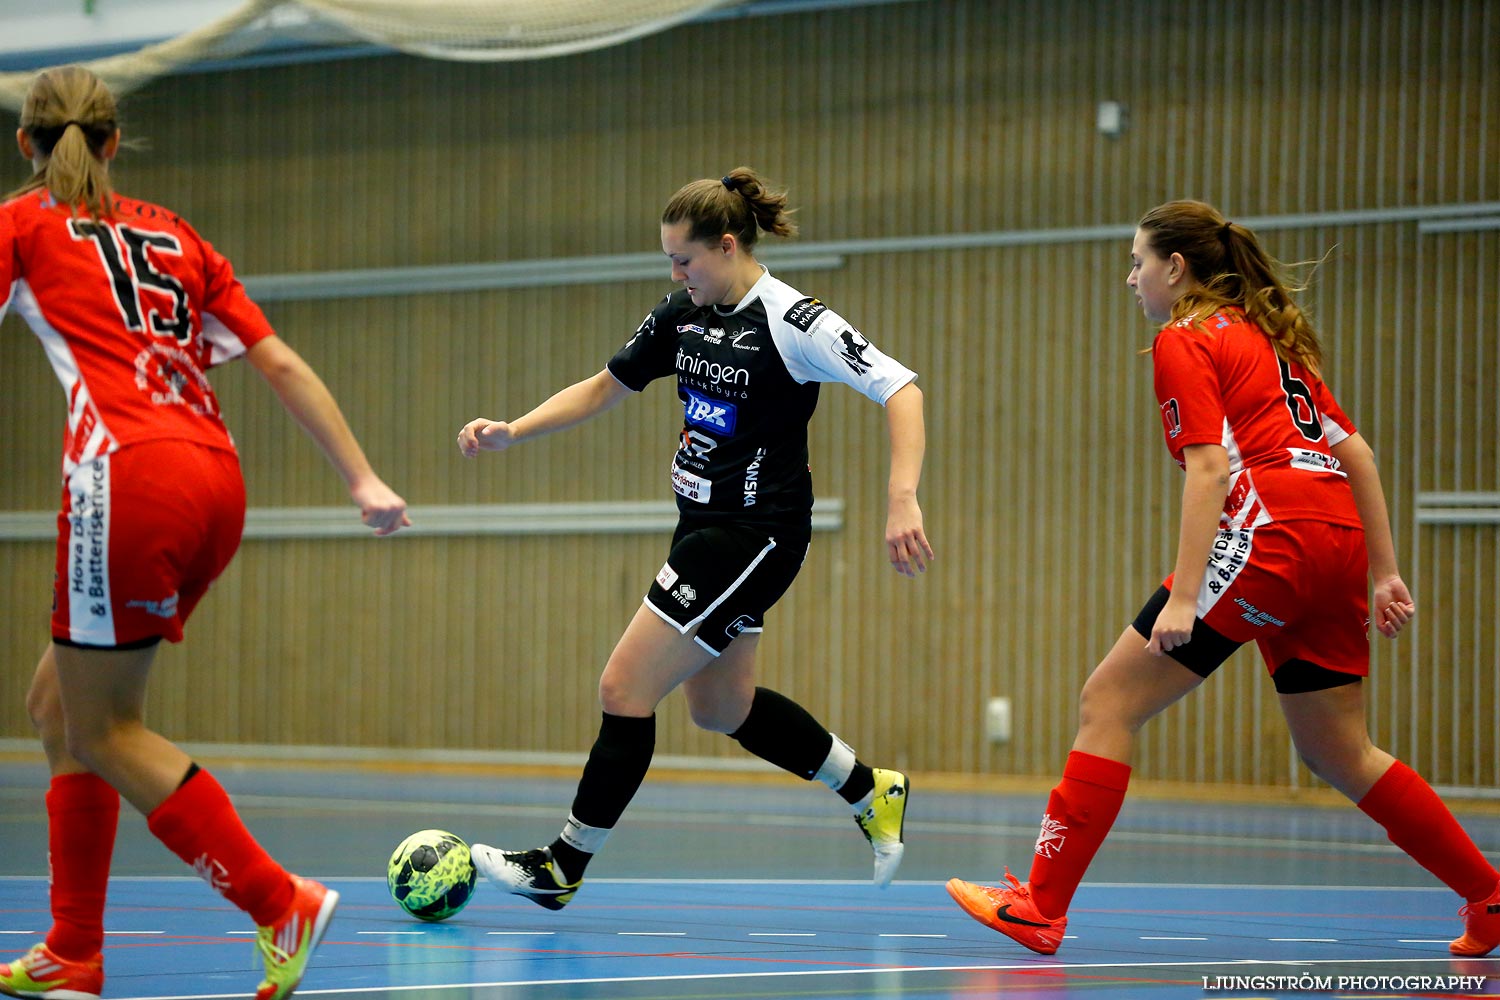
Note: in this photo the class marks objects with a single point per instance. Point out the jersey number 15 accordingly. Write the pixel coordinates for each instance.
(113, 243)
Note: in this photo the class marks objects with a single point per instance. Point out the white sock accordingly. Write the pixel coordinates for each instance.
(838, 766)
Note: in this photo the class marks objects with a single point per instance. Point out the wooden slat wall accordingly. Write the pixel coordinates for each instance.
(1048, 494)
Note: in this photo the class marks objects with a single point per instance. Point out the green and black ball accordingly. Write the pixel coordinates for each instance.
(431, 875)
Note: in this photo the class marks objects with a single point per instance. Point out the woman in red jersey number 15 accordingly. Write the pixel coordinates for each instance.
(132, 306)
(1284, 525)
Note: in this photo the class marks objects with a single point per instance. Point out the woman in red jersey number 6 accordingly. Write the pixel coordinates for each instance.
(132, 306)
(1284, 523)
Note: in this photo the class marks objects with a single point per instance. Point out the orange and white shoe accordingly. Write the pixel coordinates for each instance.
(1011, 911)
(1481, 927)
(40, 973)
(287, 944)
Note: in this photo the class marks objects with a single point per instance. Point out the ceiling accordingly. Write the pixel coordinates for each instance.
(35, 34)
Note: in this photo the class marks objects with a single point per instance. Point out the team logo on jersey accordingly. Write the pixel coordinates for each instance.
(163, 372)
(1171, 417)
(852, 348)
(738, 341)
(715, 414)
(804, 312)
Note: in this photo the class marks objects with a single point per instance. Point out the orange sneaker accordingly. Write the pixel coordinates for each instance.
(1011, 911)
(1481, 926)
(287, 944)
(40, 973)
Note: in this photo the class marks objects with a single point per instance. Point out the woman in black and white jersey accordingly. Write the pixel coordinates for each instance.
(748, 352)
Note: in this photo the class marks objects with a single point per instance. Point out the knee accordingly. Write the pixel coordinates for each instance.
(617, 698)
(85, 744)
(44, 708)
(715, 714)
(1097, 706)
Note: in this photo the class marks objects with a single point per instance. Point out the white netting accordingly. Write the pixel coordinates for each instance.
(474, 30)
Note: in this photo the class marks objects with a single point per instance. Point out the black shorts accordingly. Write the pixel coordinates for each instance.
(722, 577)
(1209, 649)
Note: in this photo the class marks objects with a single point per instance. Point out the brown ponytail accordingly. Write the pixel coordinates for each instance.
(739, 203)
(1230, 268)
(69, 116)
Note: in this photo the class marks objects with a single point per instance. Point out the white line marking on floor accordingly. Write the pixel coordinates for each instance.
(521, 933)
(1158, 937)
(1313, 940)
(17, 932)
(409, 933)
(1030, 967)
(1422, 941)
(127, 933)
(652, 933)
(915, 935)
(782, 934)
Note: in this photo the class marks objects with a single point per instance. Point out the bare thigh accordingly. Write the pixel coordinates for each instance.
(650, 660)
(1128, 688)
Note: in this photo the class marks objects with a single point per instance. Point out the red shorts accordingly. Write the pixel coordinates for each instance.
(1298, 588)
(141, 535)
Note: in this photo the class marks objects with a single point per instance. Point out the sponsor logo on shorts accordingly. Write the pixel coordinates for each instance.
(685, 595)
(1255, 616)
(165, 608)
(734, 628)
(666, 577)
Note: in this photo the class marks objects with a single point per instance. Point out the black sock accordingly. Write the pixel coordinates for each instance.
(861, 783)
(781, 731)
(616, 767)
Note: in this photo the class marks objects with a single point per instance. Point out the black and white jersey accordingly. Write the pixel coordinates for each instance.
(748, 381)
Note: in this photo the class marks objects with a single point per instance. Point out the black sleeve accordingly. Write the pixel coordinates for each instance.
(648, 354)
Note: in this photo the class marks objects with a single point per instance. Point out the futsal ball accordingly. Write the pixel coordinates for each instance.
(431, 875)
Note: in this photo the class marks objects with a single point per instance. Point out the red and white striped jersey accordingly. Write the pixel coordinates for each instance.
(131, 310)
(1221, 382)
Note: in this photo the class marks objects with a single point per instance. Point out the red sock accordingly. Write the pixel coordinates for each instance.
(198, 823)
(1080, 811)
(83, 813)
(1418, 822)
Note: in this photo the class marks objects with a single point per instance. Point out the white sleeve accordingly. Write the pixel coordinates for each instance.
(819, 345)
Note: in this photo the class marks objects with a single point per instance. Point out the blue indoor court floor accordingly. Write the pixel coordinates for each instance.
(752, 888)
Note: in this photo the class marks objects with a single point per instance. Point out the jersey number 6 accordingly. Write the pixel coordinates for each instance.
(1299, 403)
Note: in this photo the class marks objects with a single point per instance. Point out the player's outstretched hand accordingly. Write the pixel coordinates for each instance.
(1392, 607)
(484, 435)
(905, 542)
(380, 507)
